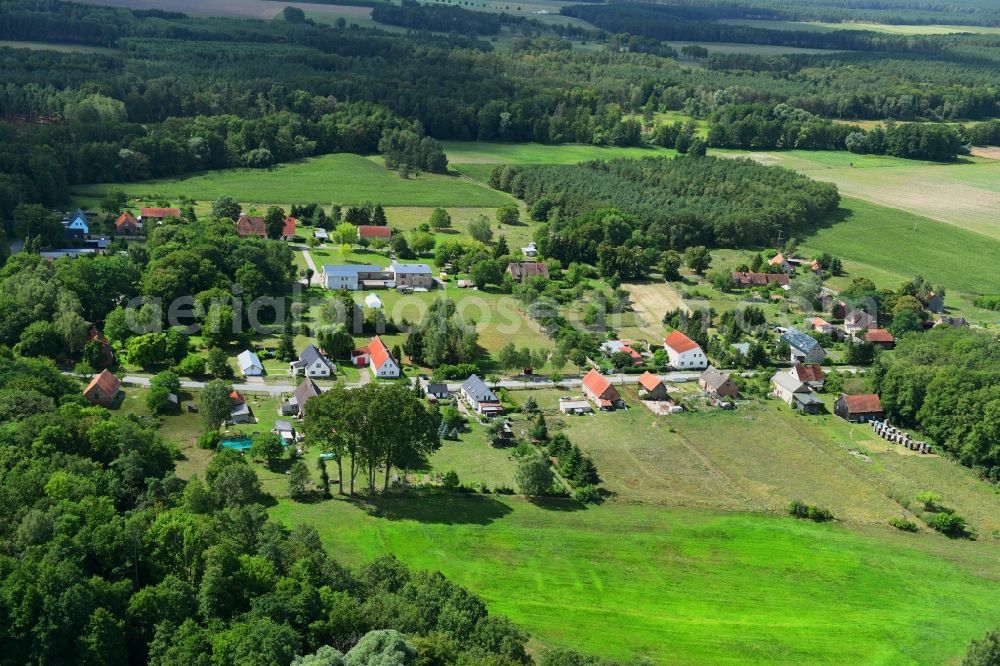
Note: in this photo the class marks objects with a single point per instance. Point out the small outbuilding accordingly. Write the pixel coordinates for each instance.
(651, 387)
(859, 408)
(250, 364)
(717, 383)
(104, 389)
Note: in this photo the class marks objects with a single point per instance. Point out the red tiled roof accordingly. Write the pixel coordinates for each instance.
(105, 381)
(251, 226)
(377, 352)
(522, 269)
(596, 382)
(289, 228)
(878, 335)
(819, 321)
(777, 259)
(809, 372)
(680, 343)
(741, 279)
(237, 398)
(126, 219)
(373, 231)
(649, 381)
(863, 404)
(160, 212)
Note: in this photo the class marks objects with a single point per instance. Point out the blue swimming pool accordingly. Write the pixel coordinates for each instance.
(238, 444)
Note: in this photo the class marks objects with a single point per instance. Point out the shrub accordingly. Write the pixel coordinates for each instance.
(524, 450)
(210, 440)
(800, 509)
(504, 490)
(192, 365)
(450, 480)
(820, 514)
(587, 495)
(903, 524)
(948, 523)
(930, 500)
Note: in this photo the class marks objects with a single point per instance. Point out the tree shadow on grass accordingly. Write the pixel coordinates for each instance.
(436, 507)
(564, 504)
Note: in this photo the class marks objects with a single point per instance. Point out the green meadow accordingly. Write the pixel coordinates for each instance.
(344, 178)
(896, 243)
(684, 585)
(875, 27)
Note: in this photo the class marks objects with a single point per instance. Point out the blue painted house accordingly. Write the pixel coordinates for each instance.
(76, 224)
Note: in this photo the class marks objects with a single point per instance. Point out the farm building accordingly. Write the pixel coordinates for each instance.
(859, 408)
(480, 397)
(788, 389)
(684, 353)
(880, 338)
(247, 226)
(355, 276)
(312, 363)
(104, 389)
(520, 270)
(810, 374)
(804, 348)
(782, 263)
(717, 383)
(600, 391)
(158, 214)
(651, 388)
(575, 406)
(370, 232)
(417, 276)
(743, 279)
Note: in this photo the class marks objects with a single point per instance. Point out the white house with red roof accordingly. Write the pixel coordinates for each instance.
(684, 353)
(380, 361)
(600, 391)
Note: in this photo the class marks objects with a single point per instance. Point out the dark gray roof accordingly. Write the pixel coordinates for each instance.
(477, 390)
(714, 377)
(309, 356)
(437, 388)
(307, 389)
(799, 340)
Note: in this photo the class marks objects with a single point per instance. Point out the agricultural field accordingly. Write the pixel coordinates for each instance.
(54, 46)
(343, 178)
(684, 585)
(875, 27)
(964, 194)
(753, 49)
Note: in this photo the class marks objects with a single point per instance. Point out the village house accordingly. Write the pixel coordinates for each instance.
(684, 353)
(859, 408)
(437, 390)
(610, 347)
(104, 389)
(127, 224)
(880, 338)
(250, 364)
(286, 431)
(312, 363)
(76, 225)
(804, 348)
(355, 276)
(651, 388)
(288, 226)
(530, 250)
(791, 391)
(718, 384)
(370, 232)
(782, 263)
(821, 325)
(239, 411)
(742, 279)
(380, 361)
(480, 397)
(810, 374)
(858, 320)
(416, 276)
(302, 394)
(521, 270)
(158, 214)
(601, 392)
(247, 225)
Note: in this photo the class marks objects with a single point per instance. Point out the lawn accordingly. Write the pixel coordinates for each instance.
(904, 244)
(462, 153)
(685, 585)
(345, 178)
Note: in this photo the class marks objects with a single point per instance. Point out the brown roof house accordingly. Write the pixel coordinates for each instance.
(745, 279)
(717, 383)
(158, 214)
(127, 224)
(810, 374)
(251, 226)
(651, 388)
(520, 270)
(880, 338)
(859, 408)
(599, 391)
(105, 389)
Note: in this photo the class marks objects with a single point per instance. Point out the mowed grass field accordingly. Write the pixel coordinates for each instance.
(53, 46)
(343, 178)
(684, 586)
(875, 27)
(965, 194)
(890, 245)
